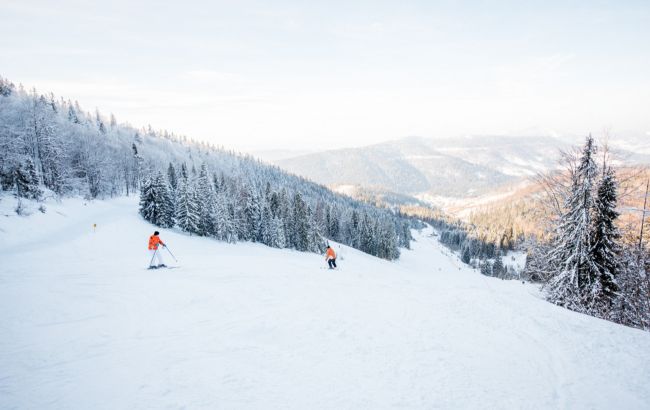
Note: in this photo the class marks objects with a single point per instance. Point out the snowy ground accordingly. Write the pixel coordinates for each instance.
(83, 325)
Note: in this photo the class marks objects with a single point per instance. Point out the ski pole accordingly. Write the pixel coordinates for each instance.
(170, 252)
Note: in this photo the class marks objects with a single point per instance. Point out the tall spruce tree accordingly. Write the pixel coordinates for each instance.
(574, 283)
(206, 203)
(605, 247)
(187, 209)
(300, 231)
(155, 202)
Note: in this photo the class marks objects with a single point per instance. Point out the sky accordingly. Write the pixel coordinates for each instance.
(305, 75)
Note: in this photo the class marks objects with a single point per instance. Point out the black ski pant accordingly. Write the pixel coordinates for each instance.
(332, 263)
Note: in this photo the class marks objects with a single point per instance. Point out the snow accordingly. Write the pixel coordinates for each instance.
(515, 260)
(84, 325)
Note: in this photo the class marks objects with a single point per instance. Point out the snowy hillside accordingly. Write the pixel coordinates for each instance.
(84, 325)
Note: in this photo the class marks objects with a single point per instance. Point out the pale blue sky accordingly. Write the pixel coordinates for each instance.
(278, 74)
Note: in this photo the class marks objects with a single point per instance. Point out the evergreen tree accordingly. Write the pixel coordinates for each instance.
(368, 236)
(206, 203)
(300, 231)
(6, 88)
(278, 236)
(574, 281)
(486, 268)
(465, 255)
(354, 231)
(223, 227)
(389, 248)
(405, 236)
(537, 263)
(632, 305)
(171, 177)
(498, 269)
(35, 191)
(100, 123)
(187, 209)
(155, 202)
(26, 181)
(605, 248)
(334, 226)
(23, 182)
(7, 178)
(266, 227)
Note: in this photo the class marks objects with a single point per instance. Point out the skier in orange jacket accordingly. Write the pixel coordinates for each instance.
(330, 257)
(154, 241)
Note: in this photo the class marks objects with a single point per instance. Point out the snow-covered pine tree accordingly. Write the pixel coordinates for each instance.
(317, 241)
(334, 226)
(206, 203)
(465, 255)
(278, 236)
(266, 225)
(35, 191)
(155, 202)
(221, 218)
(537, 267)
(231, 226)
(23, 182)
(486, 268)
(172, 177)
(300, 225)
(497, 266)
(6, 87)
(605, 248)
(184, 173)
(632, 305)
(99, 122)
(353, 231)
(389, 247)
(187, 211)
(72, 115)
(285, 213)
(405, 236)
(574, 282)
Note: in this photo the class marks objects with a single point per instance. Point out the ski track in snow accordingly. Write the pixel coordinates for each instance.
(84, 325)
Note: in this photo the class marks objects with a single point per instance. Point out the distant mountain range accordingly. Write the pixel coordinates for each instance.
(438, 169)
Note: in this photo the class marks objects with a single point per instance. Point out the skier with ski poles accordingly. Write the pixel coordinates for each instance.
(154, 241)
(330, 257)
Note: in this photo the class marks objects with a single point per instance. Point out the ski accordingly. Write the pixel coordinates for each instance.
(162, 267)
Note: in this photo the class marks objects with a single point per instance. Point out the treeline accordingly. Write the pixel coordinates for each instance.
(53, 147)
(586, 266)
(219, 206)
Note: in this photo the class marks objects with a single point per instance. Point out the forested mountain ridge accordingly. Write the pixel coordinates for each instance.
(50, 146)
(435, 169)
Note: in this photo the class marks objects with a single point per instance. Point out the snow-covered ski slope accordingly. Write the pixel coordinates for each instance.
(83, 325)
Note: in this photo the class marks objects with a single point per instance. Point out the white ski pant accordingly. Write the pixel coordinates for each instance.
(158, 257)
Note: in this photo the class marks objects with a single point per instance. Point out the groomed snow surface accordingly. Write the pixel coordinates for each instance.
(83, 325)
